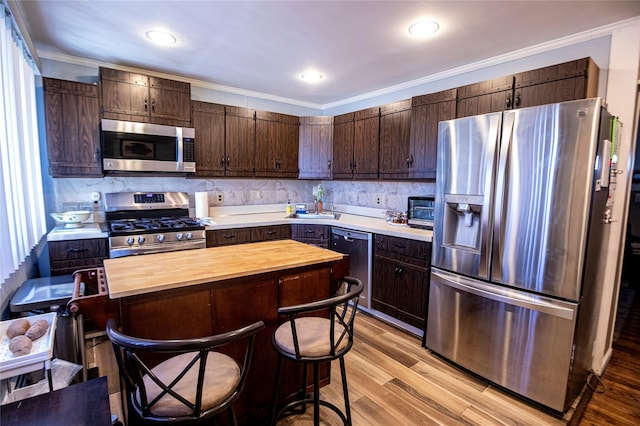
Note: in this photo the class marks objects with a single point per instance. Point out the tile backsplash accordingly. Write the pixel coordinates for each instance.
(75, 193)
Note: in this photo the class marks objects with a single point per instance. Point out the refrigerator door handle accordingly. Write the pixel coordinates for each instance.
(485, 244)
(510, 297)
(507, 139)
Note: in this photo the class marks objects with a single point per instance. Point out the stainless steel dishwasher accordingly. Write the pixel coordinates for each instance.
(359, 246)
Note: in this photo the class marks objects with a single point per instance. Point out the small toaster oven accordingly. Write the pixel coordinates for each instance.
(420, 212)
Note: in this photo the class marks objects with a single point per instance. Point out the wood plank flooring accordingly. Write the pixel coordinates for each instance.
(619, 404)
(394, 381)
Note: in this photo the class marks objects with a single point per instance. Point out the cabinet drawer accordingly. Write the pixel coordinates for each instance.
(411, 251)
(68, 256)
(77, 249)
(314, 232)
(226, 237)
(266, 233)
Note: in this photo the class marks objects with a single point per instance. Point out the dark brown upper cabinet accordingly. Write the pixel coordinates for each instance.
(277, 137)
(343, 133)
(557, 83)
(208, 121)
(240, 142)
(315, 153)
(396, 157)
(485, 97)
(72, 116)
(137, 97)
(355, 144)
(426, 112)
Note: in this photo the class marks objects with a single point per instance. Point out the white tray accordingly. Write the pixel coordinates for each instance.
(41, 352)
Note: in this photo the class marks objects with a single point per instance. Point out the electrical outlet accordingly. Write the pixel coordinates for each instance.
(220, 198)
(256, 194)
(378, 199)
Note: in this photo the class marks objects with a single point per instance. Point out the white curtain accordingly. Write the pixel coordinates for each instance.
(22, 219)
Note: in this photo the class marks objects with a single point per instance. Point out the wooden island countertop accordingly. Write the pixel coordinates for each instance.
(134, 275)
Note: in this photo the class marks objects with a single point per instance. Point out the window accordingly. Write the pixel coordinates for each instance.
(22, 220)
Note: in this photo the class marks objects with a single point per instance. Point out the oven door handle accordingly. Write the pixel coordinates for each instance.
(155, 248)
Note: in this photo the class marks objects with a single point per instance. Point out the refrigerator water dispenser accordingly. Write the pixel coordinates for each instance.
(462, 222)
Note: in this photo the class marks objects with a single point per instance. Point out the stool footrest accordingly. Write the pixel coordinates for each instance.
(288, 409)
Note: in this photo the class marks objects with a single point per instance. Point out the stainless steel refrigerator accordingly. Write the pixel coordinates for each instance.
(517, 260)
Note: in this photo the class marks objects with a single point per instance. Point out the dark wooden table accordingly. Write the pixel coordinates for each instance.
(82, 404)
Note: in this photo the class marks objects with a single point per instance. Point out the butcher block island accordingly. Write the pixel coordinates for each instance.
(202, 292)
(128, 276)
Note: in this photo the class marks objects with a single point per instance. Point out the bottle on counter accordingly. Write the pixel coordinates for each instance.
(289, 208)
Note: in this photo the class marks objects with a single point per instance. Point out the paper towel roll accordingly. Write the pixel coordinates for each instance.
(202, 204)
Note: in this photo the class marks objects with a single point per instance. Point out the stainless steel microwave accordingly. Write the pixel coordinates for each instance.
(143, 147)
(420, 212)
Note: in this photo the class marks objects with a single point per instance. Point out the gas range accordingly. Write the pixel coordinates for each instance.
(142, 223)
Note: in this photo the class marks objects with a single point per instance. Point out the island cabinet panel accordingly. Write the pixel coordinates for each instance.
(317, 235)
(171, 314)
(401, 279)
(65, 257)
(366, 139)
(426, 112)
(72, 116)
(557, 83)
(240, 142)
(137, 97)
(243, 304)
(315, 150)
(395, 140)
(343, 134)
(274, 232)
(208, 120)
(227, 237)
(277, 137)
(485, 97)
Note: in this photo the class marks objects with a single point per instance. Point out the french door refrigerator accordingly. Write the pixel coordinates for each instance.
(517, 251)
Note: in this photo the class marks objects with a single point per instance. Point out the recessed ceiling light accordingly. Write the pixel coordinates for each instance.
(311, 76)
(423, 28)
(161, 37)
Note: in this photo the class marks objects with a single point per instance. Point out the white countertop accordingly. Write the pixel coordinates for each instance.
(85, 232)
(345, 220)
(233, 218)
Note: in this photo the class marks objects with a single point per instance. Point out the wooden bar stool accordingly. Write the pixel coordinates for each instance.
(315, 340)
(195, 383)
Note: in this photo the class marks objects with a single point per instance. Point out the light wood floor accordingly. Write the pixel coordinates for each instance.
(394, 381)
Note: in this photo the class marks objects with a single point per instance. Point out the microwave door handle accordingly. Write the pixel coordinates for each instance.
(180, 144)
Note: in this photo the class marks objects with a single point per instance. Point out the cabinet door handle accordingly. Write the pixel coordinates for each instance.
(228, 236)
(271, 232)
(228, 161)
(222, 161)
(508, 103)
(310, 232)
(517, 103)
(329, 165)
(96, 155)
(146, 104)
(153, 105)
(76, 250)
(400, 246)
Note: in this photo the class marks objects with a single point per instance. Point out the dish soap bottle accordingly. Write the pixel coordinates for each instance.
(289, 208)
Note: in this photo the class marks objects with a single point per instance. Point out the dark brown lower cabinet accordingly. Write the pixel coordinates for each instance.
(317, 235)
(66, 257)
(227, 237)
(400, 285)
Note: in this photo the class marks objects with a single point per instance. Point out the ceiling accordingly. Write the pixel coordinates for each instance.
(261, 47)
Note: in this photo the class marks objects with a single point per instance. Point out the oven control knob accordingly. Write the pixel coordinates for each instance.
(189, 235)
(130, 241)
(141, 240)
(179, 236)
(160, 238)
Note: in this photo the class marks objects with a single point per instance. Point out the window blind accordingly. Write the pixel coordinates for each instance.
(22, 219)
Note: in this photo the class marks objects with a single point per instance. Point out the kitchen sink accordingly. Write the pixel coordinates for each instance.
(334, 216)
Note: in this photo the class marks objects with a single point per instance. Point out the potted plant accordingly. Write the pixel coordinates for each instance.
(318, 193)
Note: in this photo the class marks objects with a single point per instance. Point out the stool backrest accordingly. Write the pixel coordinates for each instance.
(342, 310)
(134, 367)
